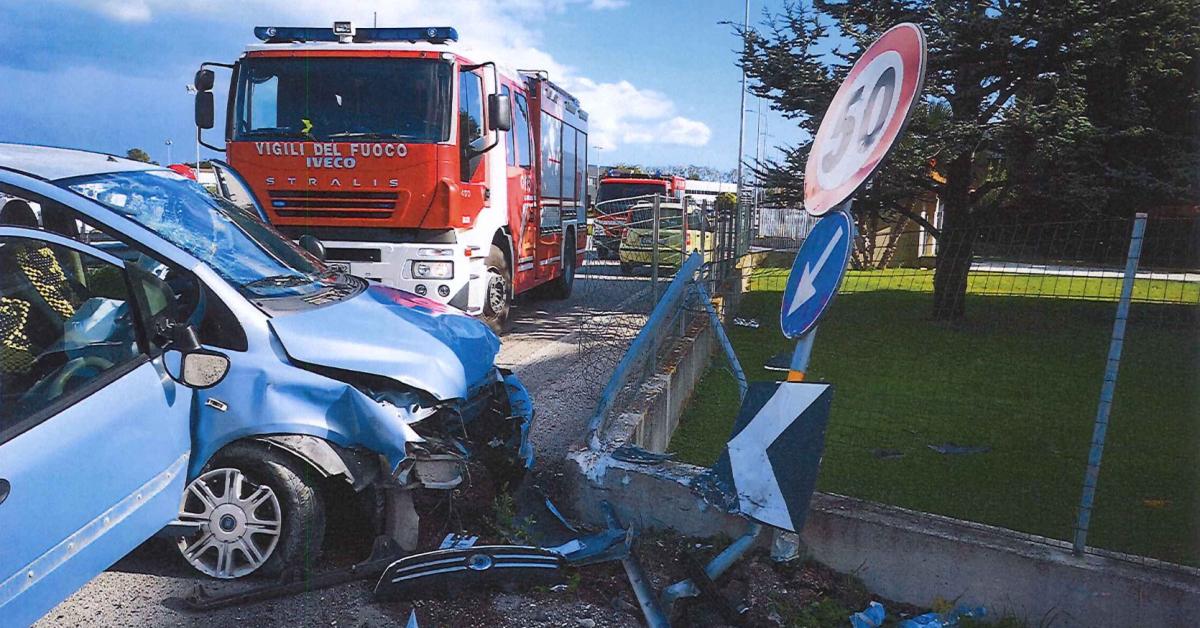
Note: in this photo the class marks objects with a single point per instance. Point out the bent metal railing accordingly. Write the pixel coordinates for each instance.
(649, 338)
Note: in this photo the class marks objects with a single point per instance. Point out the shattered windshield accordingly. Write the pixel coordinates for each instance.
(240, 248)
(328, 98)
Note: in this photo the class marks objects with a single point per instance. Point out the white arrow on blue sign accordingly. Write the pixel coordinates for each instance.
(816, 273)
(772, 459)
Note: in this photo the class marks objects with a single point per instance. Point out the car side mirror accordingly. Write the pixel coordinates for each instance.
(199, 368)
(203, 368)
(204, 110)
(313, 244)
(500, 117)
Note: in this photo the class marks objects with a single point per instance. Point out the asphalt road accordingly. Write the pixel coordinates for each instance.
(550, 346)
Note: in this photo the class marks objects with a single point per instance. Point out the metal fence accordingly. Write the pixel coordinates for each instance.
(635, 256)
(992, 416)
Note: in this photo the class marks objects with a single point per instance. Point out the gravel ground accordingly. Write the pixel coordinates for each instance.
(543, 347)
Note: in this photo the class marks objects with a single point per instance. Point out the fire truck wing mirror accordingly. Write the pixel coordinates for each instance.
(500, 115)
(204, 80)
(204, 110)
(313, 244)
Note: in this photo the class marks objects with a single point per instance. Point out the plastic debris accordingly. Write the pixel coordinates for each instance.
(870, 617)
(944, 620)
(785, 546)
(781, 361)
(952, 449)
(458, 541)
(752, 323)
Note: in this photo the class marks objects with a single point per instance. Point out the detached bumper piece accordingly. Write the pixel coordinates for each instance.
(444, 573)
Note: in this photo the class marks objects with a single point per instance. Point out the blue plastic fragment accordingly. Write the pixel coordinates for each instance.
(944, 620)
(870, 617)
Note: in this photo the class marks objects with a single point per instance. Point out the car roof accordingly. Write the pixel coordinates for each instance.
(52, 163)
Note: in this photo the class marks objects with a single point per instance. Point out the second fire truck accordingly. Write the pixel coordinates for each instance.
(409, 161)
(618, 192)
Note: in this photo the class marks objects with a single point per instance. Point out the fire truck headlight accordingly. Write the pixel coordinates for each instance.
(432, 270)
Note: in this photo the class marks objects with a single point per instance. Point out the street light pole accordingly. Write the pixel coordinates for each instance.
(168, 143)
(737, 221)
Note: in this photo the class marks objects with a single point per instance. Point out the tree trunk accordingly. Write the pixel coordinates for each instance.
(955, 243)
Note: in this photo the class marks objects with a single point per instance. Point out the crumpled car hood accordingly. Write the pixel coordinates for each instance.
(383, 331)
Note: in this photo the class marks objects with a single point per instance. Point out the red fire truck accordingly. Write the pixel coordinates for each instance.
(614, 198)
(410, 162)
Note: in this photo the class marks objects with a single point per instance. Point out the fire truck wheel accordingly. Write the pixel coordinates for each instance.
(561, 289)
(498, 296)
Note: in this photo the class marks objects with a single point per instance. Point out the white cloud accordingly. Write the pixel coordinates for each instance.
(620, 112)
(125, 10)
(601, 5)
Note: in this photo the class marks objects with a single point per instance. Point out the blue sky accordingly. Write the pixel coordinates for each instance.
(657, 76)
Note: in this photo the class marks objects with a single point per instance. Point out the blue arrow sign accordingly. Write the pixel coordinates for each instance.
(770, 463)
(816, 273)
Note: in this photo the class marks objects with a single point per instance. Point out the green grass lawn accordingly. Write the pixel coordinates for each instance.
(1020, 375)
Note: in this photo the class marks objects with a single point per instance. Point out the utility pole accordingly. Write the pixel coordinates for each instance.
(737, 221)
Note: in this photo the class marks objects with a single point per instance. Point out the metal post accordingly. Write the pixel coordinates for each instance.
(741, 134)
(1092, 474)
(684, 227)
(654, 250)
(800, 356)
(723, 338)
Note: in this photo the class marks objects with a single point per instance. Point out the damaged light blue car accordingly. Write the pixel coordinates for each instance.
(170, 362)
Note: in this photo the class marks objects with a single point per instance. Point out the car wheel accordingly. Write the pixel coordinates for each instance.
(257, 512)
(563, 284)
(497, 298)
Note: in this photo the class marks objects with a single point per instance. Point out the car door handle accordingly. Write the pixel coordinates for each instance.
(5, 489)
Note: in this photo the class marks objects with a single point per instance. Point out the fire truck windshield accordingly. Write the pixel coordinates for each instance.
(328, 98)
(241, 249)
(617, 191)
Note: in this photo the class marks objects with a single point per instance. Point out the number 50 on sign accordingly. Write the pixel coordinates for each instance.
(865, 118)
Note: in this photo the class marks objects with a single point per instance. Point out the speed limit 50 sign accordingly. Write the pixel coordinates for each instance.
(865, 117)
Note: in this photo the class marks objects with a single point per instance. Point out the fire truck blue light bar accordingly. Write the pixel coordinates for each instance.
(286, 34)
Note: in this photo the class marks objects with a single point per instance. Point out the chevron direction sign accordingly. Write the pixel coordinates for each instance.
(772, 458)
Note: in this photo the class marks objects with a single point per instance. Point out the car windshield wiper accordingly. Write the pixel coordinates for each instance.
(279, 281)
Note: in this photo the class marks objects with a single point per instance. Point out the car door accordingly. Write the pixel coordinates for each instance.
(94, 435)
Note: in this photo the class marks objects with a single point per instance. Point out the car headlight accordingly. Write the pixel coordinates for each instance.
(432, 270)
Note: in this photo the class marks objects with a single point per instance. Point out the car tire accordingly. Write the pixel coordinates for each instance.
(563, 284)
(275, 524)
(497, 296)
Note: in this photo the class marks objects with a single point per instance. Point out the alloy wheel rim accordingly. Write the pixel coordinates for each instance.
(240, 524)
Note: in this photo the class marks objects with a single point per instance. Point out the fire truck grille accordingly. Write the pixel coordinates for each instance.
(333, 204)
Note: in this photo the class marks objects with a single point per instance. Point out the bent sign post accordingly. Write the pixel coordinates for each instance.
(771, 460)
